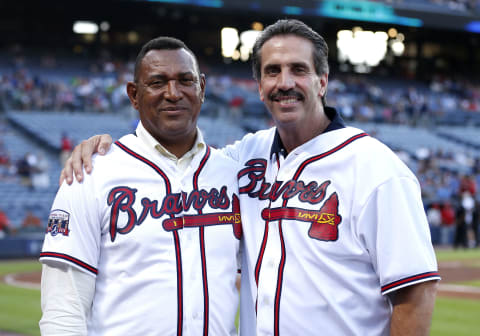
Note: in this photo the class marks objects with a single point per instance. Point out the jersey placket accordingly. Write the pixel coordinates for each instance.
(193, 307)
(269, 271)
(192, 273)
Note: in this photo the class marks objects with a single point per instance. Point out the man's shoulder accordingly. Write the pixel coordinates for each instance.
(373, 155)
(257, 139)
(251, 143)
(261, 135)
(219, 156)
(116, 152)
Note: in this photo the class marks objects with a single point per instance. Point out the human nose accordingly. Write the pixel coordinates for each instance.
(172, 91)
(285, 81)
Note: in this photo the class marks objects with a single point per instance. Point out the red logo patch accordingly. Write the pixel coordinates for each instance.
(324, 221)
(325, 227)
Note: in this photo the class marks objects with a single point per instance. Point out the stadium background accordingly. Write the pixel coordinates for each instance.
(424, 103)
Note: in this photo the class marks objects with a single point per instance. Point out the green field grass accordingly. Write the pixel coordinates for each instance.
(470, 256)
(455, 317)
(20, 308)
(19, 266)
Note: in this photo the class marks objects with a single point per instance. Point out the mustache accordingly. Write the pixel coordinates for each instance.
(289, 93)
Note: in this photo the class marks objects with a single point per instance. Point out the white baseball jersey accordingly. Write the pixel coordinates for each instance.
(162, 243)
(328, 231)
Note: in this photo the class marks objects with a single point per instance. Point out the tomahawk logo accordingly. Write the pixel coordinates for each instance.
(324, 222)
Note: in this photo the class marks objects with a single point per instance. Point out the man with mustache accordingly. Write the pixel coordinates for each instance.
(148, 244)
(335, 234)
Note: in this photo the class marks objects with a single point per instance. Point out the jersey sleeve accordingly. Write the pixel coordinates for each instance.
(233, 150)
(74, 230)
(395, 230)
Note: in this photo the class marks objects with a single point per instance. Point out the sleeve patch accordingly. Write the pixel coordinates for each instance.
(58, 222)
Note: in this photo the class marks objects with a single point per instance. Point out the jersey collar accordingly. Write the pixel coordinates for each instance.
(151, 142)
(336, 122)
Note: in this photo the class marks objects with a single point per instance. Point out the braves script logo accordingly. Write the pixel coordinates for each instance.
(324, 222)
(122, 199)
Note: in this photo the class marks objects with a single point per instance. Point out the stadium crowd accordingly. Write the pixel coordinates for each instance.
(357, 97)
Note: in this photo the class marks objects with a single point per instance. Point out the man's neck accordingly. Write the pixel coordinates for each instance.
(179, 148)
(293, 137)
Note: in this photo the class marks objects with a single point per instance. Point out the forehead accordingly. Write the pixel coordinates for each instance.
(168, 62)
(286, 49)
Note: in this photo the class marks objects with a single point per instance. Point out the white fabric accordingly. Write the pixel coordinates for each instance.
(67, 296)
(136, 285)
(332, 286)
(185, 160)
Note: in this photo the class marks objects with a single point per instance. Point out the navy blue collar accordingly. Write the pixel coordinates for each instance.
(336, 122)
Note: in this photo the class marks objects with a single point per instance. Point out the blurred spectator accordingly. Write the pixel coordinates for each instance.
(461, 238)
(31, 222)
(39, 172)
(434, 218)
(4, 161)
(24, 171)
(468, 184)
(66, 148)
(448, 223)
(236, 104)
(476, 223)
(4, 224)
(4, 156)
(468, 204)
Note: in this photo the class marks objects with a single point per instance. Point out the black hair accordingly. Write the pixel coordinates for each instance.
(291, 27)
(161, 43)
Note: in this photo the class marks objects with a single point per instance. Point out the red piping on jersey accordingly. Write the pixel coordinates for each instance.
(278, 292)
(178, 254)
(333, 150)
(178, 257)
(281, 267)
(261, 253)
(423, 276)
(258, 265)
(206, 299)
(70, 259)
(148, 162)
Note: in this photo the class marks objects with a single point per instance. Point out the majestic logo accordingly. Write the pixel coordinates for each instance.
(121, 200)
(324, 222)
(216, 218)
(58, 222)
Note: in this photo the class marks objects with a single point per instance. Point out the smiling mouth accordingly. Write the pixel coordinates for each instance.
(286, 98)
(172, 108)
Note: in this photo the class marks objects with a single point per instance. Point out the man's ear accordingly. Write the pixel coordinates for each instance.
(323, 85)
(260, 92)
(202, 86)
(132, 94)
